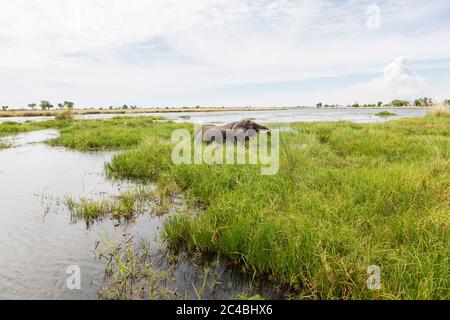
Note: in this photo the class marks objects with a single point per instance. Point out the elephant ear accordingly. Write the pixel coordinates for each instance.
(213, 134)
(240, 125)
(241, 129)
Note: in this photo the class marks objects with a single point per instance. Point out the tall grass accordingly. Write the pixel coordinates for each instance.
(64, 115)
(439, 111)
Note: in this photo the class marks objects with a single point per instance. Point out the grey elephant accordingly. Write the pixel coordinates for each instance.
(237, 131)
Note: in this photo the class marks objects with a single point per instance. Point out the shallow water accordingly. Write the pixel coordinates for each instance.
(38, 242)
(294, 115)
(303, 115)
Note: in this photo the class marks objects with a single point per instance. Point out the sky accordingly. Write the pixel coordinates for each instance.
(173, 53)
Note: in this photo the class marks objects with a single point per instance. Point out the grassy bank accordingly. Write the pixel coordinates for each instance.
(12, 128)
(112, 134)
(347, 196)
(116, 133)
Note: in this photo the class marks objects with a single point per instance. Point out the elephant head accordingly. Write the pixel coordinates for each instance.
(247, 129)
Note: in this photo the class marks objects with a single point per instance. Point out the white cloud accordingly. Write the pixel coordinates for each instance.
(61, 49)
(398, 81)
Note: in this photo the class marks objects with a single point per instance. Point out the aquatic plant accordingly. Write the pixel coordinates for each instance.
(126, 205)
(385, 113)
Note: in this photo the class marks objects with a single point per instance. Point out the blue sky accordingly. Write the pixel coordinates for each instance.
(223, 52)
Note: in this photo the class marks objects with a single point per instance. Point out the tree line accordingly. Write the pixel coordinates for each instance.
(46, 105)
(420, 102)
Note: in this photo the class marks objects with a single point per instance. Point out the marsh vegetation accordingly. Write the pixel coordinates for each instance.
(124, 206)
(385, 113)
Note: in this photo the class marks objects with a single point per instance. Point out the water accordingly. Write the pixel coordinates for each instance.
(38, 242)
(37, 246)
(294, 115)
(265, 116)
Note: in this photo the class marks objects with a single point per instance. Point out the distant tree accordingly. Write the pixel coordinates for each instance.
(68, 104)
(423, 102)
(124, 107)
(45, 105)
(4, 108)
(32, 106)
(399, 103)
(111, 107)
(60, 105)
(355, 105)
(380, 103)
(428, 102)
(319, 105)
(418, 103)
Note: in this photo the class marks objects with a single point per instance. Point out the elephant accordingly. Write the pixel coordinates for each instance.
(238, 131)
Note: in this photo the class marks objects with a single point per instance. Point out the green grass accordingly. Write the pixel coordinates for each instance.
(126, 206)
(113, 134)
(9, 128)
(351, 196)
